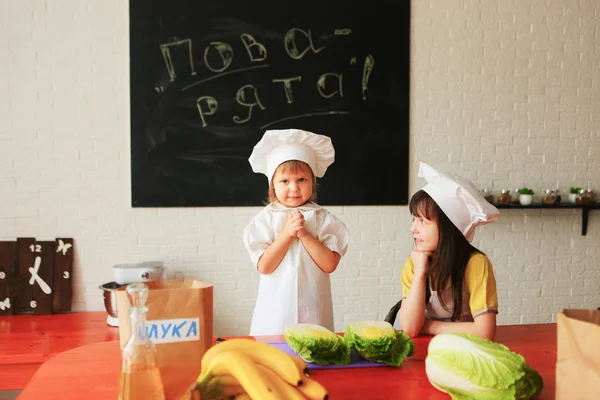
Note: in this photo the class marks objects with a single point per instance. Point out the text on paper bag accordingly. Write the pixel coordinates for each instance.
(173, 330)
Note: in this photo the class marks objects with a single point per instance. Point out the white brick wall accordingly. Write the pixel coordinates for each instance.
(505, 93)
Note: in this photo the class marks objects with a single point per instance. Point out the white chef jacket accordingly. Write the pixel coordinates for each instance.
(298, 291)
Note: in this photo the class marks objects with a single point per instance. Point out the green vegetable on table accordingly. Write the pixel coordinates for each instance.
(468, 367)
(378, 341)
(317, 344)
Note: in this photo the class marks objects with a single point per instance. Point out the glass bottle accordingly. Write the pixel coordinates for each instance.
(140, 376)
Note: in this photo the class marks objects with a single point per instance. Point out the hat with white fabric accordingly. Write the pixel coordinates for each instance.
(281, 145)
(459, 199)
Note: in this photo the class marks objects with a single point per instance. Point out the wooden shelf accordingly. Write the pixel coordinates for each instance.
(585, 210)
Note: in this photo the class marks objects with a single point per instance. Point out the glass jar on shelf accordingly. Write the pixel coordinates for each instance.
(140, 376)
(515, 197)
(582, 197)
(592, 195)
(487, 194)
(504, 197)
(557, 196)
(549, 198)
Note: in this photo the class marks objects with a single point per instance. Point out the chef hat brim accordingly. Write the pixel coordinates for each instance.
(279, 146)
(459, 199)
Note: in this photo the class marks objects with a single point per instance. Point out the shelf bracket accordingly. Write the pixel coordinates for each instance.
(585, 212)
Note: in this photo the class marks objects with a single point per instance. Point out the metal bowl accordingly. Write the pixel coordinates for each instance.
(110, 297)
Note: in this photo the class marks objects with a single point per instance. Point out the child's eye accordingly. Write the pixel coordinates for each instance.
(423, 221)
(302, 180)
(284, 181)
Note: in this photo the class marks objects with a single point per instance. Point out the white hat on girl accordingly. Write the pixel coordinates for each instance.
(281, 145)
(459, 199)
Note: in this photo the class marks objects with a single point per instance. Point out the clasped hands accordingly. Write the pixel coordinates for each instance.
(294, 226)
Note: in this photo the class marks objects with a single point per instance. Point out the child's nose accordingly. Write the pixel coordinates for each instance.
(413, 227)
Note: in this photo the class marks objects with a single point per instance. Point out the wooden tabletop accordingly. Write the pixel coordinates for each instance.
(92, 371)
(28, 341)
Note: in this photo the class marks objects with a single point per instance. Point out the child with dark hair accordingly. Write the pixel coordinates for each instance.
(459, 277)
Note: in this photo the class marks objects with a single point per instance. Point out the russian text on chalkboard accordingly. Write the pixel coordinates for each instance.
(208, 78)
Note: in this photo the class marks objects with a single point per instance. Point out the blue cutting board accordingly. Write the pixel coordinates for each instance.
(356, 361)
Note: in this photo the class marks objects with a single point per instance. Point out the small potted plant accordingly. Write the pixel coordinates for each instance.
(573, 192)
(525, 196)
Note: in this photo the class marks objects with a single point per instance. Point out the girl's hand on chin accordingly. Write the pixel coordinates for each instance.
(421, 261)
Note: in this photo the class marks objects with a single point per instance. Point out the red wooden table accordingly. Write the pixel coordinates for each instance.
(28, 341)
(91, 371)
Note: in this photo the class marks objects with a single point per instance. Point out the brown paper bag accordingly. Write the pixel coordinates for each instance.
(180, 323)
(578, 358)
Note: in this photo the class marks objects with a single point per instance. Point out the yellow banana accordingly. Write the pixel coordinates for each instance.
(222, 385)
(300, 364)
(194, 393)
(244, 370)
(313, 390)
(288, 391)
(269, 356)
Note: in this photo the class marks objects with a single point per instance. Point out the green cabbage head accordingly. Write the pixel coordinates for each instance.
(378, 341)
(468, 367)
(317, 344)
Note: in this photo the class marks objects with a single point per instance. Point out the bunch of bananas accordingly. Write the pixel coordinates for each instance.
(243, 369)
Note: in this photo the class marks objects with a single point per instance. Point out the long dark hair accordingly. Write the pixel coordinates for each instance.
(449, 261)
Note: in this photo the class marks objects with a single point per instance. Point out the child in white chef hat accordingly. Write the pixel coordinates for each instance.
(447, 284)
(293, 242)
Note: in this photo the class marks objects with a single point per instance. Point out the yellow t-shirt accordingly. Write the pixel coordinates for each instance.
(479, 290)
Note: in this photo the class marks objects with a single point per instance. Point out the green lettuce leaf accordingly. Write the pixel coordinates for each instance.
(468, 367)
(317, 344)
(378, 341)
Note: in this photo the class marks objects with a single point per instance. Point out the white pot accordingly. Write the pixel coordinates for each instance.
(525, 199)
(572, 198)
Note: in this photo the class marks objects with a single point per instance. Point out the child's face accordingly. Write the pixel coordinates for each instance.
(425, 233)
(293, 189)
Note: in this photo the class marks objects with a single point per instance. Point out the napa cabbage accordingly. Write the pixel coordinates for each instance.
(468, 367)
(317, 344)
(378, 341)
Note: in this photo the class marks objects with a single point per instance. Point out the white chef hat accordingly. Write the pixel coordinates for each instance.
(281, 145)
(459, 199)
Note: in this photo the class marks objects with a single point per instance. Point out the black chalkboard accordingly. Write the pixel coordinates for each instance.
(209, 77)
